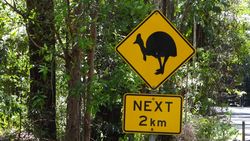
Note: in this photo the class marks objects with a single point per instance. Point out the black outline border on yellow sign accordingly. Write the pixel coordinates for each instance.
(155, 95)
(156, 11)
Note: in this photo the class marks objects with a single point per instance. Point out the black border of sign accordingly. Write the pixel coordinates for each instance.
(155, 95)
(156, 11)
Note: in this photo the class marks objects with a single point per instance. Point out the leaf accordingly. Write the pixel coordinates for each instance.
(44, 70)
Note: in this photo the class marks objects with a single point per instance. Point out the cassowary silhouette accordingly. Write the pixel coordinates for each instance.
(159, 44)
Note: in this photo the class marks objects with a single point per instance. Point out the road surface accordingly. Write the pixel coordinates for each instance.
(239, 114)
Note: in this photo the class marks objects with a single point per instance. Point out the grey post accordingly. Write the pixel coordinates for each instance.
(152, 137)
(243, 130)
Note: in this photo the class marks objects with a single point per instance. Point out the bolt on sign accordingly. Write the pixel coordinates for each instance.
(147, 113)
(155, 49)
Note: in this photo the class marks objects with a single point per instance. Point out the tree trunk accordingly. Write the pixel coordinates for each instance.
(73, 61)
(42, 100)
(167, 8)
(164, 7)
(91, 56)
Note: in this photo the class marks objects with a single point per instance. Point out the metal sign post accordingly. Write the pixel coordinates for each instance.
(152, 137)
(243, 130)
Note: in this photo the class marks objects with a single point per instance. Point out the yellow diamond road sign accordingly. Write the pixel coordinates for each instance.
(155, 49)
(159, 114)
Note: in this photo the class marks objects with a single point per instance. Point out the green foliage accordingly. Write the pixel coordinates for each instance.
(114, 77)
(221, 45)
(14, 75)
(213, 129)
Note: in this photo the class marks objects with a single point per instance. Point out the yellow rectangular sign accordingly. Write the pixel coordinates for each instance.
(147, 113)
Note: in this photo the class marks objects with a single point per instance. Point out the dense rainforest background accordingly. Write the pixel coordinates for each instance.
(61, 79)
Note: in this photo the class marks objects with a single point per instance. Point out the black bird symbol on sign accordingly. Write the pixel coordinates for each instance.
(159, 44)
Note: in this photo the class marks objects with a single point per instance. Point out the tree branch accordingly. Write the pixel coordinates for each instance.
(14, 8)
